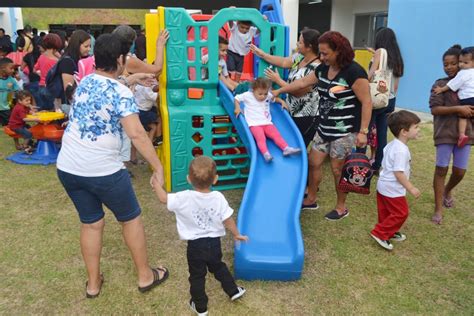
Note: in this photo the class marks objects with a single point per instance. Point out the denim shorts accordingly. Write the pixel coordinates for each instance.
(89, 194)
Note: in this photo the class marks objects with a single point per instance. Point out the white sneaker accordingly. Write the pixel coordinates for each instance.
(291, 151)
(267, 157)
(383, 243)
(193, 307)
(398, 237)
(239, 294)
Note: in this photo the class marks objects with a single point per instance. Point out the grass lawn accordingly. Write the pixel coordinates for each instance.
(345, 272)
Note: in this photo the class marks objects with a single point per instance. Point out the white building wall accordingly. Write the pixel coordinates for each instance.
(11, 19)
(290, 15)
(343, 13)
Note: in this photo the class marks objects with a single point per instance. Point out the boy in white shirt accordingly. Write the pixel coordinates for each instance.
(394, 180)
(222, 65)
(201, 218)
(241, 35)
(463, 83)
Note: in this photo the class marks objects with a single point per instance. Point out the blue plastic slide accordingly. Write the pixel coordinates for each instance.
(270, 208)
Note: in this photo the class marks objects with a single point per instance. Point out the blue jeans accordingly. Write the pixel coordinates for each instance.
(379, 117)
(25, 133)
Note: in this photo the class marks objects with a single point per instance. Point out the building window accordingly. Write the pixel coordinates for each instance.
(366, 25)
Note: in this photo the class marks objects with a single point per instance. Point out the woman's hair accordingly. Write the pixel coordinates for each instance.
(127, 35)
(202, 172)
(52, 41)
(107, 48)
(261, 83)
(467, 51)
(73, 48)
(400, 120)
(337, 42)
(385, 38)
(454, 50)
(310, 39)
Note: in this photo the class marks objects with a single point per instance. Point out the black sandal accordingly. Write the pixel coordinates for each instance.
(100, 287)
(156, 279)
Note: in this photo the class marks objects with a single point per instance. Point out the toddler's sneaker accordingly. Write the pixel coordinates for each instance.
(462, 140)
(267, 157)
(239, 294)
(193, 307)
(398, 237)
(291, 151)
(383, 243)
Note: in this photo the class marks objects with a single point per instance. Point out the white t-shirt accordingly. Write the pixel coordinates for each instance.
(93, 138)
(240, 43)
(396, 157)
(221, 66)
(198, 214)
(463, 83)
(256, 113)
(145, 97)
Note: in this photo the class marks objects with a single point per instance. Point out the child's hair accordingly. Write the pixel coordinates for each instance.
(20, 43)
(245, 22)
(202, 172)
(4, 62)
(261, 83)
(454, 50)
(467, 51)
(400, 120)
(223, 41)
(23, 94)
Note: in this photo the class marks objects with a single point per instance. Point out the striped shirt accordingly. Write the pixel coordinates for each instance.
(339, 108)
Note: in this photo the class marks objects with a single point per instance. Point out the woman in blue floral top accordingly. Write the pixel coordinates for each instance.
(90, 168)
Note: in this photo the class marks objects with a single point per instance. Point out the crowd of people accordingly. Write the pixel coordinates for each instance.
(328, 97)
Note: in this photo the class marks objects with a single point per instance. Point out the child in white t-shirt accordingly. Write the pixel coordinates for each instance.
(241, 35)
(258, 117)
(201, 218)
(463, 83)
(394, 180)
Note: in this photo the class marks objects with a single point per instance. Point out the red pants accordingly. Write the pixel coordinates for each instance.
(392, 214)
(270, 131)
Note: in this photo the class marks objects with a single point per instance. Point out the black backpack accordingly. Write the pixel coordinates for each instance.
(356, 174)
(54, 80)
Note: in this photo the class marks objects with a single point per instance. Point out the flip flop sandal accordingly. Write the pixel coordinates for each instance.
(102, 280)
(156, 279)
(448, 202)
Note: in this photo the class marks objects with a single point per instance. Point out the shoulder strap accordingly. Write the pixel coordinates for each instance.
(383, 59)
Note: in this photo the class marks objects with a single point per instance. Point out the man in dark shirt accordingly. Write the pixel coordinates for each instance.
(5, 43)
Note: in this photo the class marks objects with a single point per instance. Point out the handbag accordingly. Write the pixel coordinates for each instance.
(356, 174)
(381, 83)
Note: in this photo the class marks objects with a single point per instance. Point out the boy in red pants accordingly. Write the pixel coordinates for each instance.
(394, 180)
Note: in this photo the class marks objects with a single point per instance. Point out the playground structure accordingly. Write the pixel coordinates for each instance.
(198, 118)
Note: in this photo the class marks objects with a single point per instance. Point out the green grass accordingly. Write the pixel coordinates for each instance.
(345, 272)
(41, 18)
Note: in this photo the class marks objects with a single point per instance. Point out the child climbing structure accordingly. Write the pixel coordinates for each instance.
(195, 113)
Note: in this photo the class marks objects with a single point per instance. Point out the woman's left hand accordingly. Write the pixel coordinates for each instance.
(361, 140)
(271, 74)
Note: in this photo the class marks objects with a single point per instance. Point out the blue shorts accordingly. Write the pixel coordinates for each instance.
(148, 117)
(89, 194)
(460, 155)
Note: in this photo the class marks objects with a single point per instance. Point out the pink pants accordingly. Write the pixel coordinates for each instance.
(270, 131)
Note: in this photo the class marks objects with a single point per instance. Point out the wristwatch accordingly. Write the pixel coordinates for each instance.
(364, 131)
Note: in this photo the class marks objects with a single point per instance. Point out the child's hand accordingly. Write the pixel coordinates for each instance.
(237, 112)
(285, 106)
(438, 90)
(415, 192)
(241, 238)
